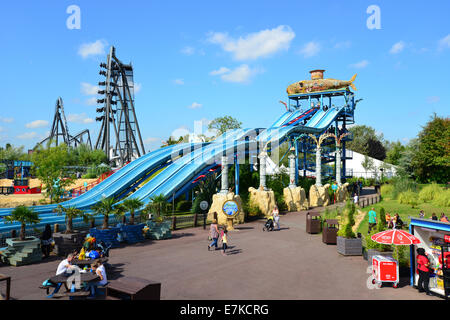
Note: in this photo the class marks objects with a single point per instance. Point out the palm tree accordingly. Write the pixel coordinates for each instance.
(107, 207)
(158, 205)
(132, 205)
(23, 215)
(70, 214)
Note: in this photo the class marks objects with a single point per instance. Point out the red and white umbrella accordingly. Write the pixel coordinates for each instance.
(394, 236)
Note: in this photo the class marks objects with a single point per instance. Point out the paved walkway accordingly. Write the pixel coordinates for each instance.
(285, 264)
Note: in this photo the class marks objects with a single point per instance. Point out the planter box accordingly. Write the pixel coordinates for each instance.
(108, 236)
(133, 233)
(19, 253)
(68, 243)
(349, 247)
(159, 231)
(369, 253)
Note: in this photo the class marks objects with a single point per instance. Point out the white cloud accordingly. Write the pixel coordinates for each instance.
(255, 45)
(91, 101)
(27, 135)
(178, 81)
(433, 99)
(188, 51)
(195, 105)
(88, 89)
(310, 49)
(397, 47)
(37, 124)
(92, 49)
(343, 45)
(360, 65)
(221, 70)
(2, 129)
(79, 118)
(444, 43)
(151, 139)
(241, 74)
(137, 87)
(6, 120)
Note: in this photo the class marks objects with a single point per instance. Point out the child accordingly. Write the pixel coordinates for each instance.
(224, 241)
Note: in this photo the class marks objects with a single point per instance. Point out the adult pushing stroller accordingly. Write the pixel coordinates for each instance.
(268, 225)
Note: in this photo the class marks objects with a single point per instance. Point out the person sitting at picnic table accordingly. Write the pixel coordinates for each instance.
(99, 269)
(443, 218)
(398, 223)
(434, 217)
(389, 220)
(63, 267)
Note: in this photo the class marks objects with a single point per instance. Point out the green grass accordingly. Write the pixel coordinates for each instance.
(404, 210)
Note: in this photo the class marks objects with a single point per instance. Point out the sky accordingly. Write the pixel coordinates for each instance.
(198, 60)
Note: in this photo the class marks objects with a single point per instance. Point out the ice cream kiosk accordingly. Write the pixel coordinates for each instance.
(435, 240)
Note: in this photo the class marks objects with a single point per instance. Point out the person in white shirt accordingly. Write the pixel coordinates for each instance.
(65, 265)
(101, 272)
(276, 217)
(355, 198)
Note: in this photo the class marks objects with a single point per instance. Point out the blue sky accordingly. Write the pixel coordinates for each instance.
(197, 60)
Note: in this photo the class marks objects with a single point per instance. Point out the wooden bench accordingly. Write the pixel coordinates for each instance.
(132, 288)
(8, 286)
(72, 294)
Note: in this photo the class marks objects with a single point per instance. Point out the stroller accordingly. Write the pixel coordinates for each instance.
(104, 248)
(268, 225)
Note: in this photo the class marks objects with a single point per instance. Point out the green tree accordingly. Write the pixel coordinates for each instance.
(48, 166)
(132, 205)
(23, 215)
(223, 124)
(431, 161)
(71, 213)
(171, 141)
(394, 152)
(158, 205)
(367, 164)
(108, 207)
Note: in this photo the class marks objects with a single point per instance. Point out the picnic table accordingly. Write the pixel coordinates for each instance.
(88, 261)
(8, 286)
(62, 278)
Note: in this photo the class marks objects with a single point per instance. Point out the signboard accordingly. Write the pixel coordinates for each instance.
(334, 187)
(447, 238)
(230, 208)
(204, 205)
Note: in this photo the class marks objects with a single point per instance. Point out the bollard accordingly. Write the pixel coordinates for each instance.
(174, 222)
(56, 228)
(195, 219)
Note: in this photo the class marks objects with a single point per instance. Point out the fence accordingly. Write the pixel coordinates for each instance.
(364, 202)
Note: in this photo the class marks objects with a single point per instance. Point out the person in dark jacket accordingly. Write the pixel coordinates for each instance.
(46, 240)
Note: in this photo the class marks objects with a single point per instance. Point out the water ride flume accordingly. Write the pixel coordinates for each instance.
(318, 83)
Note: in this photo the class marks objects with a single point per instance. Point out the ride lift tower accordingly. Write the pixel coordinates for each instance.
(119, 136)
(304, 145)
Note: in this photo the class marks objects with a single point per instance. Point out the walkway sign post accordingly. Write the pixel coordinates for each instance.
(231, 209)
(204, 207)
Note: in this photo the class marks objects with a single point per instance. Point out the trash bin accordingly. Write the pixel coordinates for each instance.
(329, 232)
(313, 222)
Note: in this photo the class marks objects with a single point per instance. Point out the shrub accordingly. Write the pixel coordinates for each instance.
(408, 197)
(370, 244)
(442, 199)
(403, 185)
(430, 192)
(183, 205)
(282, 206)
(381, 226)
(387, 190)
(252, 209)
(348, 215)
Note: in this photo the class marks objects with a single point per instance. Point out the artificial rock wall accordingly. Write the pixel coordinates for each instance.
(264, 200)
(218, 200)
(318, 196)
(295, 199)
